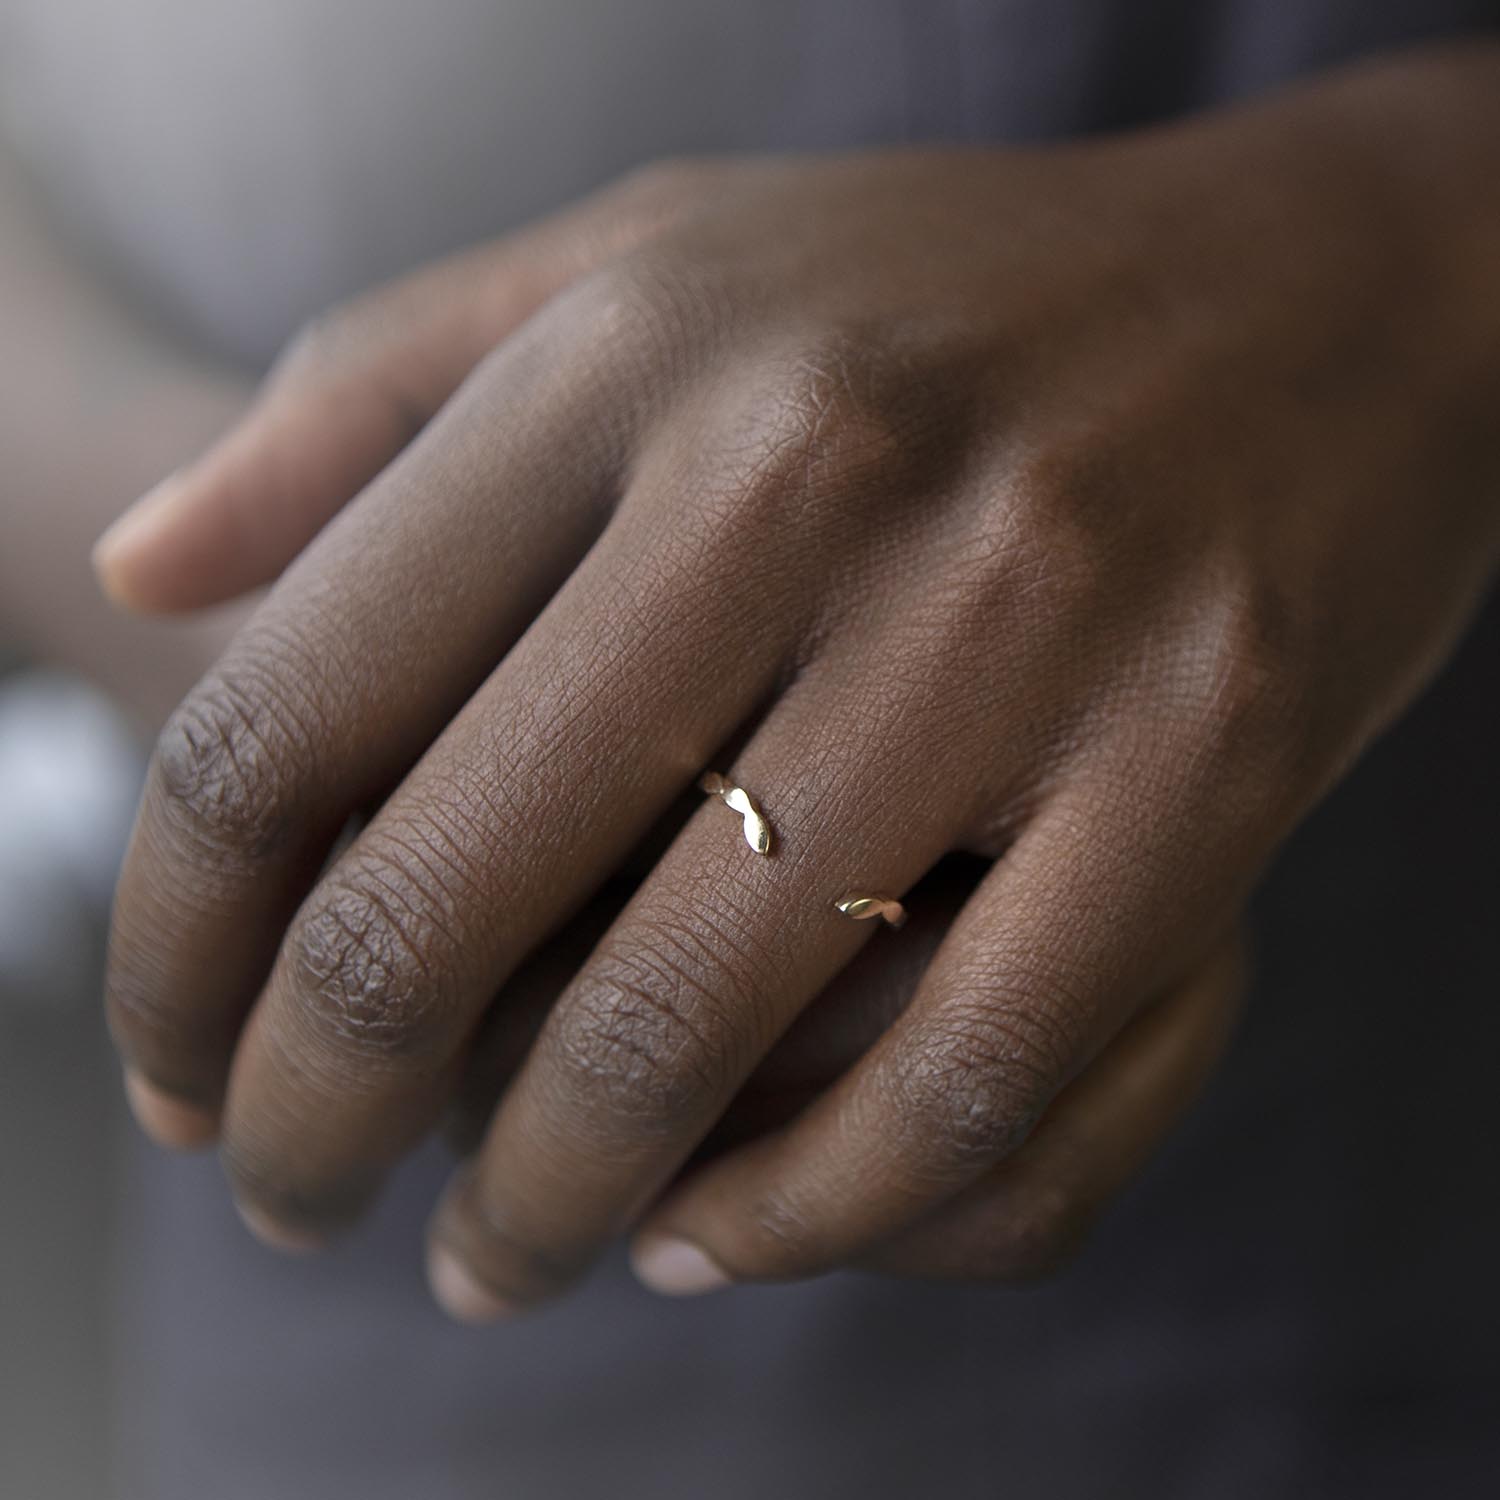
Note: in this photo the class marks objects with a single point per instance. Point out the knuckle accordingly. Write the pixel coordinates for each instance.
(366, 967)
(1067, 483)
(971, 1088)
(1251, 714)
(1260, 688)
(225, 764)
(636, 1037)
(643, 317)
(838, 414)
(1067, 527)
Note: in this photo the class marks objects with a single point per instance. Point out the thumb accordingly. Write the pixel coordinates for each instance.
(348, 394)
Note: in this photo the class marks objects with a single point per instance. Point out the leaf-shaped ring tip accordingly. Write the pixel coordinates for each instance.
(757, 830)
(862, 908)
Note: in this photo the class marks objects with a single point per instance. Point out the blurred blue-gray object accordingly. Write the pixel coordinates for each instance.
(69, 775)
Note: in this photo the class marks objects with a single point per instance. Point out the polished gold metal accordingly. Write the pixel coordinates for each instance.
(757, 830)
(862, 908)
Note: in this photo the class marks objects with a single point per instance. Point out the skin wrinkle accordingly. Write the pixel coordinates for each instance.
(222, 764)
(363, 975)
(972, 1090)
(670, 1051)
(675, 928)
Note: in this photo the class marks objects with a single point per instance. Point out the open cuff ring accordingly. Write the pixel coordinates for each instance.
(757, 830)
(856, 906)
(862, 908)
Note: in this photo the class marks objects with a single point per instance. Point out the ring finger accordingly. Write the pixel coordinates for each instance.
(706, 967)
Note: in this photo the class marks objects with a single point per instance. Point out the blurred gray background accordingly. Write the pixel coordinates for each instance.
(68, 775)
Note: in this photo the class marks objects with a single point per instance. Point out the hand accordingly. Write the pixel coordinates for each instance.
(1085, 510)
(1028, 1215)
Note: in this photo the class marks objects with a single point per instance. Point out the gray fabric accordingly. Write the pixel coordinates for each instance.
(1298, 1300)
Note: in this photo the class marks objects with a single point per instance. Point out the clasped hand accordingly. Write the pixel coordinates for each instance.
(1067, 511)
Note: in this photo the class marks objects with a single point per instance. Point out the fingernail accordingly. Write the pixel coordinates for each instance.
(169, 1122)
(459, 1292)
(676, 1268)
(136, 530)
(276, 1235)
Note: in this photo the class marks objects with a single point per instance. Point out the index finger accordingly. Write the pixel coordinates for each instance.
(351, 667)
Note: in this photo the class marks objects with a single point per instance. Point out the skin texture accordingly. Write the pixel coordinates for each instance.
(1083, 511)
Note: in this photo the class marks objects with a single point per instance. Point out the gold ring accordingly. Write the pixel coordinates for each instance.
(757, 830)
(862, 908)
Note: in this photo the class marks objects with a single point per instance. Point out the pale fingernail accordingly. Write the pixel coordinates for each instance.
(135, 531)
(676, 1268)
(169, 1122)
(459, 1292)
(276, 1235)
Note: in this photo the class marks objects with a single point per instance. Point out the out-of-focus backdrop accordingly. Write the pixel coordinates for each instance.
(69, 770)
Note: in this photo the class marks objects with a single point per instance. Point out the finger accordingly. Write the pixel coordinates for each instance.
(865, 998)
(1032, 1212)
(1087, 916)
(348, 395)
(512, 1022)
(822, 1043)
(369, 645)
(554, 771)
(707, 966)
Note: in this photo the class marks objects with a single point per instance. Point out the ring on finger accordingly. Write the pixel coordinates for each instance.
(861, 908)
(757, 830)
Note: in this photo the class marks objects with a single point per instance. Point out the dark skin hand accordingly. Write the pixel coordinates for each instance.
(1036, 1207)
(1083, 510)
